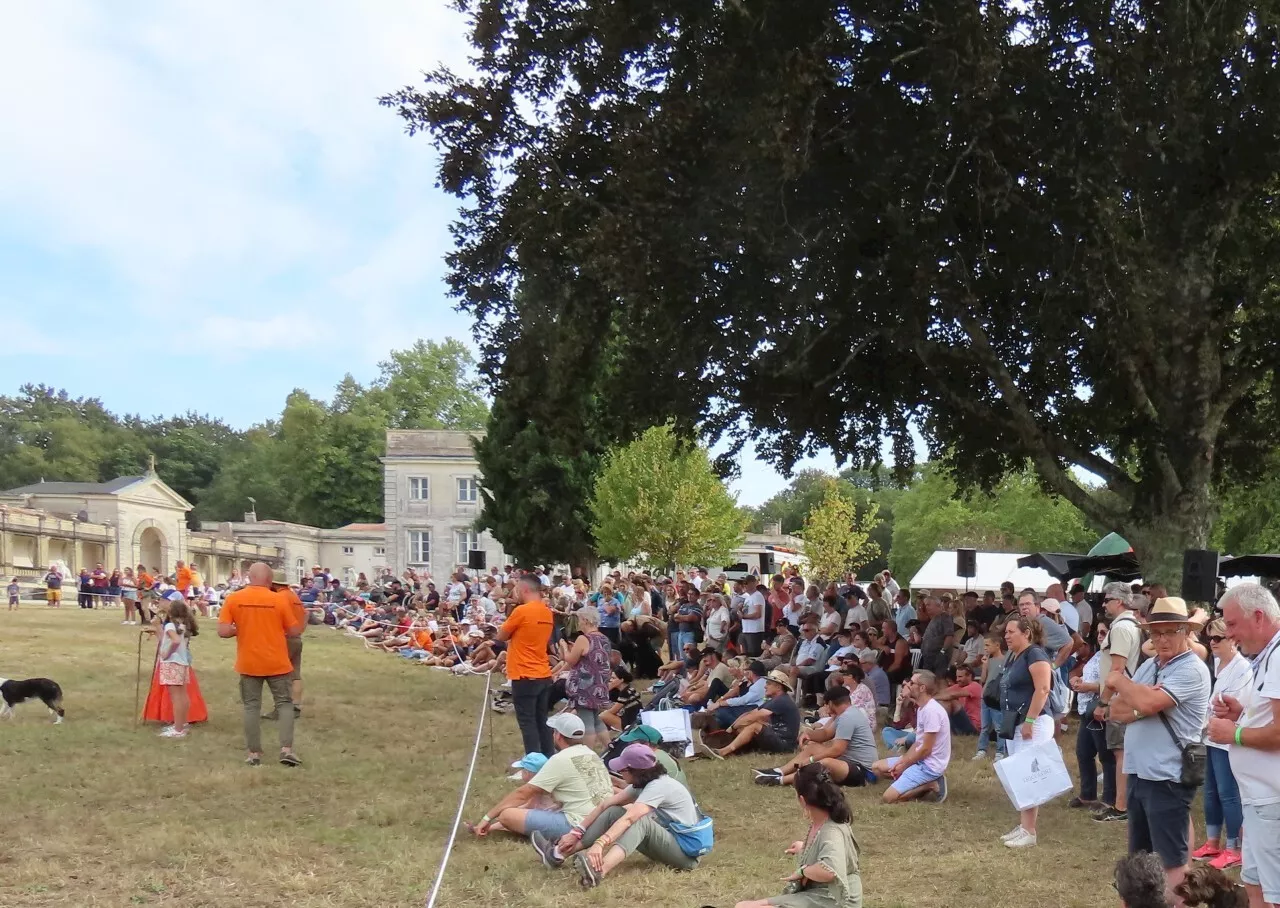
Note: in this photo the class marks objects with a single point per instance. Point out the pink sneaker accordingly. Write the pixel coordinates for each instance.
(1206, 851)
(1228, 858)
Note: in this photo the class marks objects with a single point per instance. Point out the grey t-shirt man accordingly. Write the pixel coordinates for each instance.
(852, 726)
(1149, 751)
(1056, 635)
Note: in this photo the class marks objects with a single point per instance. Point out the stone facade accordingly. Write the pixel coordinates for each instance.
(431, 501)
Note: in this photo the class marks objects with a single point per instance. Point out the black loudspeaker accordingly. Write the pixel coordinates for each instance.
(1199, 575)
(766, 564)
(966, 562)
(477, 560)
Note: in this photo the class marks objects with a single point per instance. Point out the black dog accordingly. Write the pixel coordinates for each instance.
(42, 689)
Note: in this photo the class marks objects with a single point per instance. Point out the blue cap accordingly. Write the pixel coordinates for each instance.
(530, 763)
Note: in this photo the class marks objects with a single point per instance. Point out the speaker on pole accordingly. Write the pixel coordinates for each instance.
(1199, 575)
(966, 562)
(766, 564)
(477, 559)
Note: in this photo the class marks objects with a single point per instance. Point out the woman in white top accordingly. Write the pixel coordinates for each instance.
(1232, 673)
(175, 663)
(718, 620)
(1091, 740)
(830, 622)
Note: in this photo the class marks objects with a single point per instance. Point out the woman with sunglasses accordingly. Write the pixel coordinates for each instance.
(1091, 741)
(1223, 814)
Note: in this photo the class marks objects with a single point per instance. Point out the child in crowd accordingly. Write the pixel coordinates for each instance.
(13, 594)
(175, 663)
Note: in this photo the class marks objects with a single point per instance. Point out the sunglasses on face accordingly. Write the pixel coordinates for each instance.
(1216, 639)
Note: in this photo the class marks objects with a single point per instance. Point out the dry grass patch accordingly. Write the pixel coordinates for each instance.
(100, 812)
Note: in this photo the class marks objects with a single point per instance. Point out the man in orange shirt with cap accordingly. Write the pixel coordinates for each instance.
(261, 620)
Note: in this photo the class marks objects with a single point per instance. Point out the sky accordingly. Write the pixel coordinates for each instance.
(203, 207)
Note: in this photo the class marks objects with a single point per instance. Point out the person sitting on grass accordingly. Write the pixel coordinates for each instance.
(670, 674)
(747, 694)
(636, 818)
(651, 737)
(845, 746)
(575, 778)
(1139, 881)
(773, 727)
(962, 700)
(921, 771)
(713, 683)
(828, 875)
(624, 701)
(526, 768)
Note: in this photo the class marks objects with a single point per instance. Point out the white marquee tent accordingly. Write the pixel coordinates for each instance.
(938, 574)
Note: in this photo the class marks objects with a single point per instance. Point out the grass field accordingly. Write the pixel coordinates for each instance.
(101, 812)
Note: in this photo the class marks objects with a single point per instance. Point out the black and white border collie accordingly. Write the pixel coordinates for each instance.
(42, 689)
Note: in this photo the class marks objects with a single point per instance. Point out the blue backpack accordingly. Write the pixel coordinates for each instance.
(694, 840)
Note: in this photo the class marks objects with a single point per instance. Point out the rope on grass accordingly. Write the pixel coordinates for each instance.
(462, 802)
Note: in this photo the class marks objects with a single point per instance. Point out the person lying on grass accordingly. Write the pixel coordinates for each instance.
(637, 818)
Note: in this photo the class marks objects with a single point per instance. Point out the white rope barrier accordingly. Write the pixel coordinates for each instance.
(462, 802)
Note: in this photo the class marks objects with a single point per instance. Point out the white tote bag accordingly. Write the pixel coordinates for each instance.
(1034, 775)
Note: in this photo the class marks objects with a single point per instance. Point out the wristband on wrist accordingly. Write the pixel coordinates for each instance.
(485, 819)
(1028, 721)
(1240, 735)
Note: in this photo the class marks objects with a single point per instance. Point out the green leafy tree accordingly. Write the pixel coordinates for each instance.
(1015, 516)
(837, 536)
(658, 500)
(1036, 232)
(433, 386)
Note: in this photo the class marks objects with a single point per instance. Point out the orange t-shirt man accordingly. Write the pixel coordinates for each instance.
(261, 617)
(528, 631)
(182, 580)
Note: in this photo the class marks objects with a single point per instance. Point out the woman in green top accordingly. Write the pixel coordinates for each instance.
(828, 875)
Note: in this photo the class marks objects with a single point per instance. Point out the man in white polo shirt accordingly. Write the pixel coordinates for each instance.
(1251, 726)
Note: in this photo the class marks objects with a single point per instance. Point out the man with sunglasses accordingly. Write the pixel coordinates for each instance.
(1251, 726)
(1121, 652)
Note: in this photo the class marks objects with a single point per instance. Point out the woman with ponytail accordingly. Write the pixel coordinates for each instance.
(828, 875)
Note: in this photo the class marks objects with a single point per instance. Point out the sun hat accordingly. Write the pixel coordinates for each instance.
(778, 677)
(633, 756)
(868, 655)
(1051, 606)
(1169, 610)
(475, 632)
(529, 763)
(568, 725)
(641, 733)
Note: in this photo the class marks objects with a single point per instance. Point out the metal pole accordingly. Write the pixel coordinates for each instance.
(137, 684)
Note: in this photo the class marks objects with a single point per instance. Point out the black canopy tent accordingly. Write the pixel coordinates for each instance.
(1121, 566)
(1250, 566)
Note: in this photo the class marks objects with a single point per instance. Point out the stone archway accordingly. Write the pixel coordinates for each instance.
(150, 546)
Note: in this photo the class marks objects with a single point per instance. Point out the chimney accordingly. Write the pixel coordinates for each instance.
(773, 528)
(250, 516)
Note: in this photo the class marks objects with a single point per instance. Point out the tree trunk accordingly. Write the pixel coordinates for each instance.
(1160, 542)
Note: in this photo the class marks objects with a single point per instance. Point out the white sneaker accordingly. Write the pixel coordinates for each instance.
(980, 755)
(1012, 833)
(1023, 839)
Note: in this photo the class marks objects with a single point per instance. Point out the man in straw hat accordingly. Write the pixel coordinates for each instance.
(261, 621)
(773, 727)
(1163, 706)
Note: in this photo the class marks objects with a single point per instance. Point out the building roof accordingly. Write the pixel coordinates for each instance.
(365, 527)
(453, 444)
(76, 488)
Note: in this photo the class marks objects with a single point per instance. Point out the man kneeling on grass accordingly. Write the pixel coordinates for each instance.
(575, 778)
(654, 815)
(772, 727)
(919, 773)
(845, 746)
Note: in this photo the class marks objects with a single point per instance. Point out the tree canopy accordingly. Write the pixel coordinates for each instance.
(657, 500)
(837, 538)
(1036, 232)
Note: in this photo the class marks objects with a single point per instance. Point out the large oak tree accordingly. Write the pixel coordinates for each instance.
(1038, 231)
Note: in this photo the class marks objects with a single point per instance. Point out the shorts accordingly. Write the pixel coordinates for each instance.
(769, 741)
(751, 643)
(912, 777)
(53, 595)
(551, 823)
(174, 674)
(1159, 816)
(1261, 850)
(295, 657)
(591, 720)
(1115, 736)
(858, 774)
(13, 599)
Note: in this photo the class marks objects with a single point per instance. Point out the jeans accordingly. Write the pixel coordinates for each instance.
(990, 725)
(891, 736)
(1221, 798)
(532, 700)
(251, 696)
(1091, 743)
(961, 724)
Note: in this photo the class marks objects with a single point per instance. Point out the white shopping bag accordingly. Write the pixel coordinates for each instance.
(1034, 775)
(673, 724)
